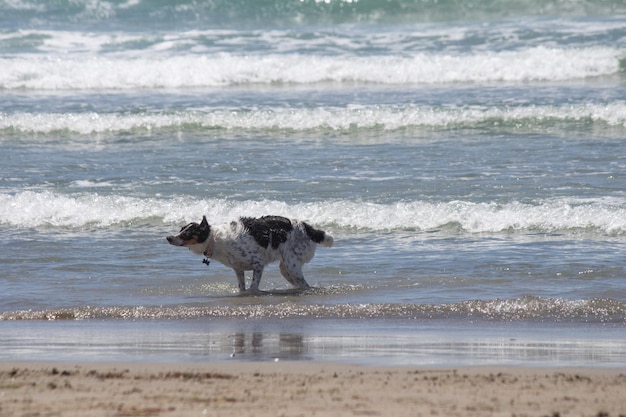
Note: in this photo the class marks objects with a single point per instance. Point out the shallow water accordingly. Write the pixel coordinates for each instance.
(469, 164)
(363, 342)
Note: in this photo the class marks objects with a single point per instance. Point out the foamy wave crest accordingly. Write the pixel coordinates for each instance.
(308, 119)
(36, 209)
(546, 216)
(526, 308)
(224, 69)
(47, 209)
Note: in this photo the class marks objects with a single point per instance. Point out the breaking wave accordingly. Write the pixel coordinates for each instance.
(349, 118)
(105, 71)
(91, 210)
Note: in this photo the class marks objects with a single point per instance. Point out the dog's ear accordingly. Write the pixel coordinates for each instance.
(204, 224)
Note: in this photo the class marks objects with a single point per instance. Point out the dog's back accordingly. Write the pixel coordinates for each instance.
(270, 238)
(275, 230)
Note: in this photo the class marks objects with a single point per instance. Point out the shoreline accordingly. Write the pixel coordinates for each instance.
(296, 388)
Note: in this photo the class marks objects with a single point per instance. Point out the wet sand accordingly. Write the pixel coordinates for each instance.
(305, 389)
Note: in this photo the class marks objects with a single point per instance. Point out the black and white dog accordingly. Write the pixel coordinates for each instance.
(251, 243)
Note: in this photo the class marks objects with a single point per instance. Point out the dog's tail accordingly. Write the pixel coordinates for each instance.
(327, 241)
(319, 236)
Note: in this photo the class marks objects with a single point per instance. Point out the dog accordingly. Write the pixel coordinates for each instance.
(250, 243)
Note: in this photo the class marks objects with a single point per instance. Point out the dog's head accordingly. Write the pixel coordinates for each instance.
(191, 235)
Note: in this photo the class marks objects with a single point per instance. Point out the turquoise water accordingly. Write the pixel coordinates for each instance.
(467, 157)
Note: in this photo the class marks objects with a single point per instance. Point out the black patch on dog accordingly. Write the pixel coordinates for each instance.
(204, 234)
(268, 230)
(195, 231)
(315, 235)
(188, 225)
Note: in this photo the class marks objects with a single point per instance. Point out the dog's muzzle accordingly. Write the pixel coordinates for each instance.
(174, 240)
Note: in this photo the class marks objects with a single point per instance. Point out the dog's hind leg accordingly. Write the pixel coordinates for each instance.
(293, 274)
(241, 280)
(256, 278)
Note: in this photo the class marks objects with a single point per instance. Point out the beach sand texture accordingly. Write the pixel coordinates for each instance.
(297, 389)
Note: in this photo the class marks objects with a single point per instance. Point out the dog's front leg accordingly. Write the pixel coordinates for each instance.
(241, 280)
(256, 278)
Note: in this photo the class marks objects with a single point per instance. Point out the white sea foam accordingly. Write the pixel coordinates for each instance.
(384, 117)
(48, 209)
(110, 71)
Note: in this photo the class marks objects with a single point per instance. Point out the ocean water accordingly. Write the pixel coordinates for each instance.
(469, 158)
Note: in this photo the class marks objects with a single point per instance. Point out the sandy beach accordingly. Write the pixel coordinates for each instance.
(305, 389)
